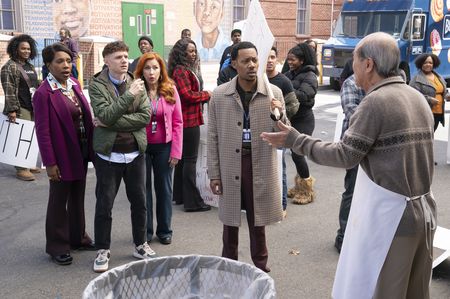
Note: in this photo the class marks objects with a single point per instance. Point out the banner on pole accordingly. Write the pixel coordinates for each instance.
(256, 31)
(18, 143)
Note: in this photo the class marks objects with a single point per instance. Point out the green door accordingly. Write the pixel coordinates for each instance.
(141, 19)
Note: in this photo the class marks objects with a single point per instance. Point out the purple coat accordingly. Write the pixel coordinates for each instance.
(56, 134)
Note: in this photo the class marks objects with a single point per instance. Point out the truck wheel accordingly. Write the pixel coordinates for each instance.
(334, 83)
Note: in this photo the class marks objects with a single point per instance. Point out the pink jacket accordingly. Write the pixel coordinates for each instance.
(173, 120)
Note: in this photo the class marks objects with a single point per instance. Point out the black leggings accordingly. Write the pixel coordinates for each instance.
(438, 118)
(304, 124)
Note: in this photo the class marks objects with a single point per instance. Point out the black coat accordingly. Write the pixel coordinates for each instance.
(304, 81)
(226, 75)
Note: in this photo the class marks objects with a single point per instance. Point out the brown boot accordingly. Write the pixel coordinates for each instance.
(294, 190)
(25, 175)
(35, 170)
(306, 194)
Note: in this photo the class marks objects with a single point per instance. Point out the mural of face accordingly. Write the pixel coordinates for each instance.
(208, 14)
(73, 14)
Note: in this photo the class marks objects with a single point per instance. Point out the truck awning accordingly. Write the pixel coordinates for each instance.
(376, 5)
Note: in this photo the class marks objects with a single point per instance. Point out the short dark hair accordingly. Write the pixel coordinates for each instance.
(235, 31)
(13, 46)
(241, 46)
(184, 31)
(147, 38)
(48, 54)
(275, 49)
(420, 60)
(114, 47)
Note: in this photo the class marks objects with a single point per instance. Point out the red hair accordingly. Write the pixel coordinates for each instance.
(165, 84)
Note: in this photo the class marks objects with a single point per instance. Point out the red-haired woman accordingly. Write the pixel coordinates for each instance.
(165, 142)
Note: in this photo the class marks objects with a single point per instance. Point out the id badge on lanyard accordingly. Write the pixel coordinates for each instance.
(154, 111)
(246, 132)
(154, 126)
(246, 135)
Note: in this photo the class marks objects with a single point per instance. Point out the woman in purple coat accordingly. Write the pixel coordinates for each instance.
(64, 132)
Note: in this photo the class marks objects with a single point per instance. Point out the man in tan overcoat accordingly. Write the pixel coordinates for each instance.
(242, 168)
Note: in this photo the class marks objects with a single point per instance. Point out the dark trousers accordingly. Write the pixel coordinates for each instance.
(304, 124)
(184, 185)
(65, 222)
(109, 176)
(157, 160)
(346, 202)
(258, 248)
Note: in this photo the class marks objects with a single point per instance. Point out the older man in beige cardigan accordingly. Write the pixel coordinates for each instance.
(388, 244)
(242, 168)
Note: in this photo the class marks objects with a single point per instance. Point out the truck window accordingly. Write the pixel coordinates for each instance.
(418, 29)
(360, 24)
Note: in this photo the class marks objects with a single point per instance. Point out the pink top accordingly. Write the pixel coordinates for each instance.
(160, 135)
(169, 125)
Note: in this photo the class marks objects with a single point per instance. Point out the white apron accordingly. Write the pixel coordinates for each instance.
(374, 217)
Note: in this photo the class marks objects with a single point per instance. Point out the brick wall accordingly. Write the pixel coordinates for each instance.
(281, 17)
(3, 55)
(91, 50)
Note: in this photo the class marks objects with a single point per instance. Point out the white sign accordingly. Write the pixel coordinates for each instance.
(338, 130)
(256, 31)
(18, 143)
(441, 241)
(202, 179)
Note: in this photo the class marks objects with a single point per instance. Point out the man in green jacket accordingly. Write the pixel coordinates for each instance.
(121, 114)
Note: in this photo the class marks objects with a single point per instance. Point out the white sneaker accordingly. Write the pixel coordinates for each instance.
(144, 252)
(101, 262)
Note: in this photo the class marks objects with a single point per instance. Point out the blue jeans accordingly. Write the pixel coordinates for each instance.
(284, 202)
(157, 160)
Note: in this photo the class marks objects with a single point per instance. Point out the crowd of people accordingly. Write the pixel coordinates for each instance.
(142, 127)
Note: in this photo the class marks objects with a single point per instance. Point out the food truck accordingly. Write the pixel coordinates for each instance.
(419, 26)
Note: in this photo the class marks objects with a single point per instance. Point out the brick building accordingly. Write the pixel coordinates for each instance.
(96, 22)
(293, 21)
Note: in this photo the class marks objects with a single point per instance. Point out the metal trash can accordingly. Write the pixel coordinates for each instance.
(189, 276)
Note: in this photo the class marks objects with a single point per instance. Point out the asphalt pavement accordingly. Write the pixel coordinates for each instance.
(301, 253)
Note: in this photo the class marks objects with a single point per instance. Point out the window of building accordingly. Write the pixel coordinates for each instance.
(239, 10)
(303, 17)
(7, 15)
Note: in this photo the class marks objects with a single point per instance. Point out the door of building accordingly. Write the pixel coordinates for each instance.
(142, 19)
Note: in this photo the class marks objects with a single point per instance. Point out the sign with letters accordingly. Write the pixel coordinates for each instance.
(446, 29)
(18, 143)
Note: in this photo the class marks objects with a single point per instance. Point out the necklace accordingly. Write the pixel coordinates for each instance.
(153, 95)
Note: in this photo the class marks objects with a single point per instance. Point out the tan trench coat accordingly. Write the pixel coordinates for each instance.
(224, 153)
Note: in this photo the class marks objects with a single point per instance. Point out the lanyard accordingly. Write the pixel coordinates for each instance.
(247, 119)
(154, 108)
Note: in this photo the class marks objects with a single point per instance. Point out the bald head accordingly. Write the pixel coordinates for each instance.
(383, 50)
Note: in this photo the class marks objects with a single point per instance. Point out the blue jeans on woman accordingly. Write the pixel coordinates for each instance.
(157, 160)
